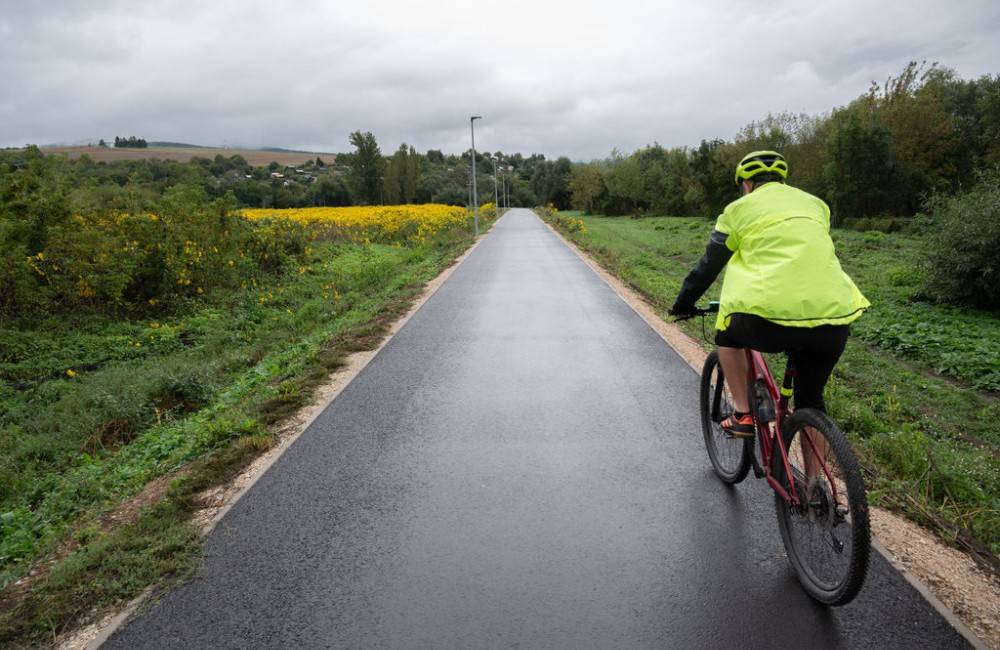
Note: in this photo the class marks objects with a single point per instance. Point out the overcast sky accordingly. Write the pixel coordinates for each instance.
(576, 78)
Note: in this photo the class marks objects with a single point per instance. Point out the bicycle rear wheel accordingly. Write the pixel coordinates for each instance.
(730, 456)
(827, 537)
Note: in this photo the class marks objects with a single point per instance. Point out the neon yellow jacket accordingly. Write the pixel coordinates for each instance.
(783, 266)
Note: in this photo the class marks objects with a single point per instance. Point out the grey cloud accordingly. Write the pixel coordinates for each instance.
(561, 77)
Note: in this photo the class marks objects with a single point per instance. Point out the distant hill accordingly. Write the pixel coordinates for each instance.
(185, 152)
(185, 145)
(178, 145)
(283, 150)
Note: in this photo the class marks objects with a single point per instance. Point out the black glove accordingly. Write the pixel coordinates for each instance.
(681, 310)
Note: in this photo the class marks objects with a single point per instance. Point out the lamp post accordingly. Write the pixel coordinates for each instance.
(475, 197)
(496, 194)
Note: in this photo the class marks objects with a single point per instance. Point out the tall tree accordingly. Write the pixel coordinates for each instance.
(586, 185)
(366, 167)
(395, 170)
(860, 170)
(712, 164)
(624, 182)
(923, 136)
(411, 176)
(402, 175)
(556, 190)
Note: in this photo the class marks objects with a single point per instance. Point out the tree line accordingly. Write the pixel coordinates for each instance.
(410, 177)
(362, 176)
(921, 133)
(131, 142)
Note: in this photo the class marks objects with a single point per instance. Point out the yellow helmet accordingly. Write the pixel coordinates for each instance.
(761, 162)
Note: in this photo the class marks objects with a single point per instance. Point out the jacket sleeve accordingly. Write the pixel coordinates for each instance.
(716, 257)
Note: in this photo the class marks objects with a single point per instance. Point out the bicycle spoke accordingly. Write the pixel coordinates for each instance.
(821, 534)
(824, 524)
(729, 455)
(729, 449)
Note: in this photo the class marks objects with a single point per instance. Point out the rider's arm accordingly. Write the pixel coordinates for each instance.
(716, 257)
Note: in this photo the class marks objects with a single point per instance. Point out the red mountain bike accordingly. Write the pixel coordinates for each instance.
(806, 459)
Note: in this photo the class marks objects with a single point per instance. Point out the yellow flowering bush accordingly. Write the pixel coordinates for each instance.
(546, 212)
(183, 245)
(570, 224)
(365, 224)
(103, 258)
(488, 211)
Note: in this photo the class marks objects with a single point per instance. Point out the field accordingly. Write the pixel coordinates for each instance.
(254, 157)
(371, 223)
(98, 401)
(916, 390)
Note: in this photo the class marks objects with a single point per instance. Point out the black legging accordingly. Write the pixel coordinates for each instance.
(812, 351)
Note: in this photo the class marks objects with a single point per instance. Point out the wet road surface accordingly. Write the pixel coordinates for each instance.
(521, 466)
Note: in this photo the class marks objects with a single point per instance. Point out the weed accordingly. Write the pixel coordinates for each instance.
(203, 403)
(73, 444)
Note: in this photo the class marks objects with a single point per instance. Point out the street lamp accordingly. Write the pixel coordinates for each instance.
(496, 195)
(475, 198)
(506, 189)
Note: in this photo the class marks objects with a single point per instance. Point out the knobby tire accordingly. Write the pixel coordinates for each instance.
(851, 577)
(733, 465)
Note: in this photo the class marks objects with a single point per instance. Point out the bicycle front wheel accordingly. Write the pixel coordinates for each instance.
(730, 456)
(827, 537)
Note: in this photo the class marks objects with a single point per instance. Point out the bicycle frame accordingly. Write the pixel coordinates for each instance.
(768, 436)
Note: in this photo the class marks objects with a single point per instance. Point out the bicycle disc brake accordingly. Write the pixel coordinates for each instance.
(822, 509)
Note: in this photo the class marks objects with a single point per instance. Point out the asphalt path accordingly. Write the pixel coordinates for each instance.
(521, 466)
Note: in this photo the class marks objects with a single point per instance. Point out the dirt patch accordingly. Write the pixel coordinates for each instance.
(124, 513)
(954, 578)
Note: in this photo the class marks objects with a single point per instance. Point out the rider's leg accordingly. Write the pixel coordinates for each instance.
(818, 449)
(814, 363)
(734, 367)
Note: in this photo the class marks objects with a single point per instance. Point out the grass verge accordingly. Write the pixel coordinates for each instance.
(192, 394)
(927, 436)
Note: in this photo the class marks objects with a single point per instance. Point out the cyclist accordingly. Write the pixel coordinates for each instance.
(784, 290)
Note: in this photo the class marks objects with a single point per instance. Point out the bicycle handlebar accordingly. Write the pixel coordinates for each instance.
(713, 308)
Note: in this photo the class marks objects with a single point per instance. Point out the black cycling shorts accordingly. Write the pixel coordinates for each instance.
(812, 351)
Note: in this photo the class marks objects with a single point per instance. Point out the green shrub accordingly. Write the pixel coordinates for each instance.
(546, 212)
(488, 211)
(964, 249)
(185, 245)
(570, 224)
(880, 224)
